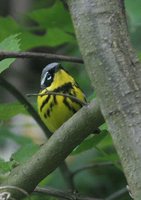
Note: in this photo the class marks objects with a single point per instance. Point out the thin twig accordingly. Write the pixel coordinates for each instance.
(60, 94)
(73, 196)
(61, 194)
(91, 166)
(55, 57)
(117, 194)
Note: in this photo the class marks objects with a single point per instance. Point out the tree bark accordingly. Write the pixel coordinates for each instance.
(115, 72)
(27, 176)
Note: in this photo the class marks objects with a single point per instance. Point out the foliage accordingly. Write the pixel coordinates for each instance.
(11, 43)
(134, 22)
(48, 25)
(8, 110)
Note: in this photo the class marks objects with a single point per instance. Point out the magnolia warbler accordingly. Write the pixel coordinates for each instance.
(55, 109)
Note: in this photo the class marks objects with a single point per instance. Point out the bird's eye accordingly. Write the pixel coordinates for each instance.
(48, 76)
(46, 80)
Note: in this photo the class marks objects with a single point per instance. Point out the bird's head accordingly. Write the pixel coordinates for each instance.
(48, 74)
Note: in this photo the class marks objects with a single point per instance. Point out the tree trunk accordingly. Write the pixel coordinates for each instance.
(115, 72)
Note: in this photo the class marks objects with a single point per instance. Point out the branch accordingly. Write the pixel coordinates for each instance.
(60, 94)
(7, 195)
(70, 196)
(115, 72)
(52, 192)
(55, 150)
(61, 194)
(4, 83)
(33, 113)
(49, 56)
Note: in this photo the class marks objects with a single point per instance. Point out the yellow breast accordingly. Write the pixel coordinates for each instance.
(55, 110)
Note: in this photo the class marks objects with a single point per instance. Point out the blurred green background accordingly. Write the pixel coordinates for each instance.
(45, 26)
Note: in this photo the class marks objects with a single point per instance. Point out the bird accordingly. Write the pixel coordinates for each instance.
(59, 97)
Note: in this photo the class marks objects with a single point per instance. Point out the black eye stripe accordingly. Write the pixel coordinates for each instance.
(48, 76)
(47, 79)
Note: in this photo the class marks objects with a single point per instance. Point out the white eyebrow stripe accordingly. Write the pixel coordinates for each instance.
(44, 78)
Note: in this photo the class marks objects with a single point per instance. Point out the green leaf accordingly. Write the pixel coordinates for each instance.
(11, 43)
(54, 37)
(106, 143)
(8, 110)
(57, 25)
(4, 166)
(55, 16)
(133, 10)
(58, 29)
(25, 152)
(9, 27)
(90, 142)
(110, 157)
